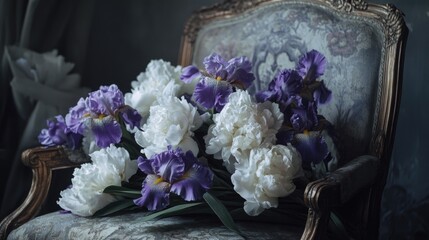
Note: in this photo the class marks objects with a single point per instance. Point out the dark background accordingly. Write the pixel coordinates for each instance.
(125, 35)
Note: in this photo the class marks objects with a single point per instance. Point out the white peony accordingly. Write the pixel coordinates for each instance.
(160, 79)
(110, 166)
(265, 176)
(241, 126)
(172, 122)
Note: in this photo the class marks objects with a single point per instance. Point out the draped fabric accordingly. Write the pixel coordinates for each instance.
(36, 83)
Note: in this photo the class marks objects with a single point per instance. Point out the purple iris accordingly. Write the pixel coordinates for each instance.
(96, 114)
(189, 73)
(312, 147)
(57, 134)
(211, 93)
(105, 101)
(287, 83)
(74, 117)
(214, 65)
(106, 131)
(172, 171)
(312, 65)
(221, 79)
(304, 118)
(322, 94)
(131, 116)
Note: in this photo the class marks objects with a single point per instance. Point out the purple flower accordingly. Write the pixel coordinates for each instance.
(74, 119)
(312, 65)
(58, 133)
(172, 171)
(212, 94)
(287, 83)
(221, 79)
(106, 131)
(189, 73)
(96, 114)
(322, 94)
(55, 134)
(131, 116)
(304, 118)
(239, 72)
(311, 146)
(106, 100)
(214, 65)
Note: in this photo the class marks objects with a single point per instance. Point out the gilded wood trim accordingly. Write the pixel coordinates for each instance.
(320, 196)
(42, 161)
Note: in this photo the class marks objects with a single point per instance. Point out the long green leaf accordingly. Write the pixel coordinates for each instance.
(114, 207)
(122, 191)
(169, 211)
(220, 210)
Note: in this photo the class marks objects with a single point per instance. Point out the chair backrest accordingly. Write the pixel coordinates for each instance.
(363, 43)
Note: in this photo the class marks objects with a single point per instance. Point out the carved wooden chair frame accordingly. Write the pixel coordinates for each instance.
(320, 196)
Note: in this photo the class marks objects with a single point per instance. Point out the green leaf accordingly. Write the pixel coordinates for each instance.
(114, 207)
(171, 211)
(122, 191)
(220, 210)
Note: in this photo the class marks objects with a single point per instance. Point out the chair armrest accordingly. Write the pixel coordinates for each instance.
(337, 188)
(42, 160)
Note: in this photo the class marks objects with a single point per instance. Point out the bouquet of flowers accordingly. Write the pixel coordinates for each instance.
(189, 140)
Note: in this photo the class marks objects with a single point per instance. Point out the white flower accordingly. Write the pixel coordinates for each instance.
(109, 167)
(88, 143)
(159, 80)
(172, 122)
(241, 126)
(265, 176)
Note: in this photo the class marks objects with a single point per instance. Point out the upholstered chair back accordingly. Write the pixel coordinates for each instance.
(274, 34)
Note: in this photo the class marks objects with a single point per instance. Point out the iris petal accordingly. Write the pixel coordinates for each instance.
(211, 93)
(189, 73)
(322, 94)
(194, 183)
(312, 65)
(145, 165)
(312, 147)
(106, 131)
(214, 63)
(155, 194)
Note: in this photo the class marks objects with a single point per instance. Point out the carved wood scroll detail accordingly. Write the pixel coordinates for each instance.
(394, 23)
(349, 5)
(42, 161)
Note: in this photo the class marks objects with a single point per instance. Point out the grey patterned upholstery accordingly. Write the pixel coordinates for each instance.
(59, 226)
(274, 36)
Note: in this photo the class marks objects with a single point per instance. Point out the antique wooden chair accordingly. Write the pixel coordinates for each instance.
(364, 44)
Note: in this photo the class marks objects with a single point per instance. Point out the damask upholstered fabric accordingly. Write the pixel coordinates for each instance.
(274, 36)
(130, 226)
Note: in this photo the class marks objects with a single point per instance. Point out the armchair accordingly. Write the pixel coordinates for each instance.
(364, 43)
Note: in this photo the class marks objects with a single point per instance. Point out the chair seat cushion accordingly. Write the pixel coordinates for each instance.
(58, 225)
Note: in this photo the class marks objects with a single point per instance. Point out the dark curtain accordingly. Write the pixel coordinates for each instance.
(40, 26)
